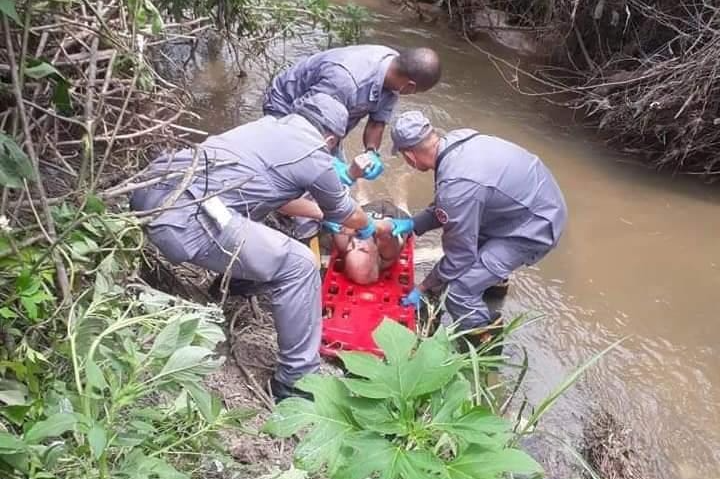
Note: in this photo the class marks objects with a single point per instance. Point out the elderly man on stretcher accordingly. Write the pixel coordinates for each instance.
(364, 259)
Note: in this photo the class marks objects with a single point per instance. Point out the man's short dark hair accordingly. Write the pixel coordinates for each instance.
(421, 65)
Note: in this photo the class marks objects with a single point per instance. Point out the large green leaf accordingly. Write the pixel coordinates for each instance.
(189, 364)
(362, 364)
(372, 453)
(208, 406)
(368, 389)
(61, 97)
(43, 70)
(208, 335)
(53, 426)
(478, 426)
(16, 414)
(177, 334)
(95, 376)
(431, 368)
(290, 416)
(452, 398)
(395, 340)
(479, 463)
(15, 166)
(12, 392)
(139, 466)
(375, 454)
(406, 374)
(10, 444)
(329, 416)
(8, 8)
(375, 415)
(97, 439)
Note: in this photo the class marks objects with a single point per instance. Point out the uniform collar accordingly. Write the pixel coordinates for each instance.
(452, 138)
(440, 157)
(379, 81)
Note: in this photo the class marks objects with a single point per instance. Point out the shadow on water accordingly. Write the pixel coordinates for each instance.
(639, 258)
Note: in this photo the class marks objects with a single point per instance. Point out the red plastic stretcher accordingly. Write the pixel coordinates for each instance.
(351, 311)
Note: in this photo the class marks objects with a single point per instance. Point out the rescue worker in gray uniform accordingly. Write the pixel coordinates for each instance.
(367, 79)
(498, 205)
(252, 170)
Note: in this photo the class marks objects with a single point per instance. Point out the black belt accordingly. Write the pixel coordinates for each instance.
(449, 150)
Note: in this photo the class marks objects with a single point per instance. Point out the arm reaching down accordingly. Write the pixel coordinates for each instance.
(302, 207)
(463, 212)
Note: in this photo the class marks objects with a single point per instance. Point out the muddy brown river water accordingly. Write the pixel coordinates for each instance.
(640, 257)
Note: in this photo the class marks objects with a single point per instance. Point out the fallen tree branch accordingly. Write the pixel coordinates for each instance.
(60, 272)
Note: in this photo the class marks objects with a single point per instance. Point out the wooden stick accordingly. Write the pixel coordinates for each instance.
(61, 273)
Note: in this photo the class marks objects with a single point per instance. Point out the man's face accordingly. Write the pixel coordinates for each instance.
(415, 159)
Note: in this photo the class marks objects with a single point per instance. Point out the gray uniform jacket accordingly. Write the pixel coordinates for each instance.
(487, 189)
(353, 75)
(272, 160)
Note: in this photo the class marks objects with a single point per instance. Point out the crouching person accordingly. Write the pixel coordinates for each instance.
(498, 205)
(243, 175)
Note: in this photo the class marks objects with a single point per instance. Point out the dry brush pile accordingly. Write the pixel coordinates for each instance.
(645, 72)
(82, 108)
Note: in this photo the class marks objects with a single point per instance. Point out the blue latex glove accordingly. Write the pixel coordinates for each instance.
(332, 227)
(402, 226)
(343, 171)
(368, 231)
(413, 298)
(375, 168)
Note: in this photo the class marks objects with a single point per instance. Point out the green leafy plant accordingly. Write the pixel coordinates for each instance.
(15, 165)
(408, 416)
(7, 7)
(133, 398)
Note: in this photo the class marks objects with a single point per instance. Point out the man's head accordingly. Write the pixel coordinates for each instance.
(325, 113)
(416, 140)
(414, 70)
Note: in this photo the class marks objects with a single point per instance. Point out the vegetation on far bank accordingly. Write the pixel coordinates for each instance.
(644, 73)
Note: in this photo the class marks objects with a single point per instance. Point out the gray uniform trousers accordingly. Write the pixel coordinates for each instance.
(280, 265)
(464, 301)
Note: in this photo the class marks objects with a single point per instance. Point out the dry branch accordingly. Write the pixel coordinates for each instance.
(122, 111)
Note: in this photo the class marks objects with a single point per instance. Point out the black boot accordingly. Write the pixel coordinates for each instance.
(236, 287)
(498, 291)
(282, 391)
(482, 334)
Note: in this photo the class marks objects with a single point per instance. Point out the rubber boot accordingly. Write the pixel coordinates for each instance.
(498, 291)
(482, 335)
(282, 391)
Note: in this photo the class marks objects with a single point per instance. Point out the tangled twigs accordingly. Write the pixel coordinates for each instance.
(94, 115)
(62, 276)
(647, 73)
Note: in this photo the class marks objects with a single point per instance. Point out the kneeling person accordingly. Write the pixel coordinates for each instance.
(498, 205)
(245, 174)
